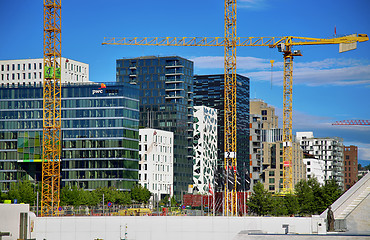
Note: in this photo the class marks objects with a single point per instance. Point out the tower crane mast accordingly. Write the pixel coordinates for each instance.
(51, 141)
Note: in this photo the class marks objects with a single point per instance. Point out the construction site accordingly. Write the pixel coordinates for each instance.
(202, 184)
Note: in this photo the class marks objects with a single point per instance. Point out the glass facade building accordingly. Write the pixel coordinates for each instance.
(166, 103)
(100, 131)
(209, 91)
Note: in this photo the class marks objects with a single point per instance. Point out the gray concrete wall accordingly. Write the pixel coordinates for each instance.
(358, 221)
(164, 228)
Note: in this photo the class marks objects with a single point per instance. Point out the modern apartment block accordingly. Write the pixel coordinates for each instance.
(269, 119)
(99, 130)
(329, 150)
(205, 149)
(255, 143)
(209, 91)
(31, 72)
(273, 165)
(350, 166)
(166, 102)
(156, 161)
(314, 168)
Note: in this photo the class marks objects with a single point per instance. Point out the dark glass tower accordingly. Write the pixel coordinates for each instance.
(100, 129)
(209, 91)
(166, 102)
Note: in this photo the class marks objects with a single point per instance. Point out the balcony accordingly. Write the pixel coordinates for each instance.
(174, 66)
(173, 96)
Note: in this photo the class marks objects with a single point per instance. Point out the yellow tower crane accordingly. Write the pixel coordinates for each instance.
(51, 143)
(284, 44)
(230, 41)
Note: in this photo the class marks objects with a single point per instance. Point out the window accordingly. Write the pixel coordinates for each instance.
(2, 67)
(271, 187)
(29, 66)
(264, 112)
(29, 75)
(13, 67)
(34, 65)
(271, 180)
(347, 156)
(40, 65)
(271, 173)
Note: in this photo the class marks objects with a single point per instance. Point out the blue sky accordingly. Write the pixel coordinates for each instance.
(328, 86)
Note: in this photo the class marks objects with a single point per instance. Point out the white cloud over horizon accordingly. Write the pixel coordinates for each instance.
(331, 71)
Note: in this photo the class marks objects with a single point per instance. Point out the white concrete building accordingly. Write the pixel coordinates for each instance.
(156, 161)
(314, 168)
(31, 71)
(205, 149)
(329, 150)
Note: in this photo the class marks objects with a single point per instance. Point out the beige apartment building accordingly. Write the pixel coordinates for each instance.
(265, 122)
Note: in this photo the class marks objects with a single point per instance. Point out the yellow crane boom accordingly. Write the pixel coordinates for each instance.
(239, 41)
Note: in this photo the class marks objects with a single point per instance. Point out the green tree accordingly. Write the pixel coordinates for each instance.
(140, 194)
(124, 198)
(23, 191)
(305, 197)
(261, 201)
(291, 203)
(331, 191)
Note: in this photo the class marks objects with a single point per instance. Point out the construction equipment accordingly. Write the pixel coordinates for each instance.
(284, 44)
(51, 144)
(230, 42)
(352, 122)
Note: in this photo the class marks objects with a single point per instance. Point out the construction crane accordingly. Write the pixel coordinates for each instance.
(284, 45)
(352, 122)
(230, 42)
(51, 143)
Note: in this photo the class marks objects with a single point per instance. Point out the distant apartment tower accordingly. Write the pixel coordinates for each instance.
(156, 161)
(269, 119)
(205, 149)
(100, 126)
(209, 91)
(31, 72)
(273, 165)
(350, 166)
(166, 102)
(255, 143)
(329, 150)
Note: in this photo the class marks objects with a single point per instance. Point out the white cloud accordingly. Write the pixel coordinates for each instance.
(251, 4)
(332, 71)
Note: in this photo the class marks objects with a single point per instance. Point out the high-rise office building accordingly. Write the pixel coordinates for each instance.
(31, 72)
(209, 91)
(205, 149)
(166, 103)
(99, 131)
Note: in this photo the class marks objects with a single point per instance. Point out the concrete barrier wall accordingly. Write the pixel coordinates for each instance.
(163, 228)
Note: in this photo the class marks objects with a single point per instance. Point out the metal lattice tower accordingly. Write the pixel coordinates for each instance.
(230, 195)
(52, 142)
